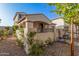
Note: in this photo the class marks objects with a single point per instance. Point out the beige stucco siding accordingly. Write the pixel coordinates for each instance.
(44, 36)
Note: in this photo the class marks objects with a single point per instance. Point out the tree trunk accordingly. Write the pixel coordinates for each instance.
(72, 39)
(78, 33)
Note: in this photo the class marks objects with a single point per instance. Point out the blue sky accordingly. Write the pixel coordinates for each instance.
(7, 11)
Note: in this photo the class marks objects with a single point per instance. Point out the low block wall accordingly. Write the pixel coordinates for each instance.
(45, 36)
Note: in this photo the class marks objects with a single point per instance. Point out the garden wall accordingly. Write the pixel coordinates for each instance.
(45, 36)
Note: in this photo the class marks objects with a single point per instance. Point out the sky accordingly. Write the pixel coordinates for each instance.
(8, 11)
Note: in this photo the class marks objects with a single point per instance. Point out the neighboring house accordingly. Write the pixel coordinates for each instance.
(63, 28)
(60, 24)
(38, 23)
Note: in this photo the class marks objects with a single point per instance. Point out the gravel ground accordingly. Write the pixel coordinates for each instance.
(9, 47)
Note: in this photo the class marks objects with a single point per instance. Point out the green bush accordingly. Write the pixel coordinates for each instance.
(15, 27)
(1, 34)
(4, 34)
(36, 49)
(19, 42)
(31, 37)
(49, 41)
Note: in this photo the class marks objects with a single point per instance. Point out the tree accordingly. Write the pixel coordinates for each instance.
(70, 14)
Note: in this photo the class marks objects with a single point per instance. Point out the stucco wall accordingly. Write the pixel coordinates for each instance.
(45, 36)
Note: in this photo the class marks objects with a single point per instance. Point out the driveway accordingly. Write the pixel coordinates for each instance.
(60, 49)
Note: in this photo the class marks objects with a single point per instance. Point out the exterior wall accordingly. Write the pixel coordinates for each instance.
(45, 36)
(55, 34)
(62, 32)
(41, 36)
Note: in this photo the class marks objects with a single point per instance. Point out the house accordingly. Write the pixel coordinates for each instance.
(38, 23)
(60, 25)
(63, 28)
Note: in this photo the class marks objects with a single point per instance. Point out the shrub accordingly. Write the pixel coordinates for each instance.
(36, 49)
(19, 42)
(31, 37)
(20, 39)
(1, 34)
(4, 34)
(35, 46)
(49, 41)
(15, 27)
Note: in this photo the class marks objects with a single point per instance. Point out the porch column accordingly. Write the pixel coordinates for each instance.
(55, 35)
(26, 45)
